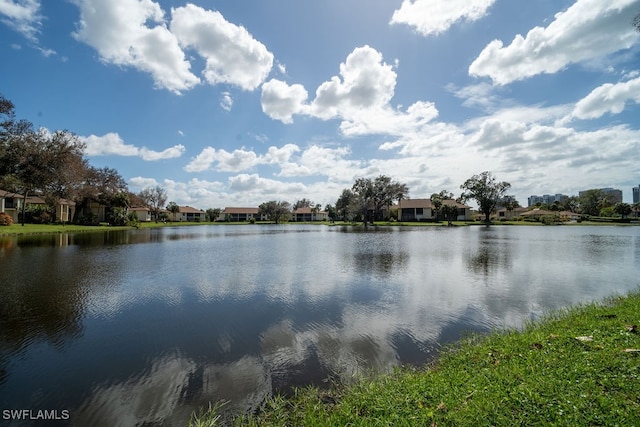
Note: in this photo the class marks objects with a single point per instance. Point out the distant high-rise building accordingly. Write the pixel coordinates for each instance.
(636, 194)
(613, 194)
(546, 199)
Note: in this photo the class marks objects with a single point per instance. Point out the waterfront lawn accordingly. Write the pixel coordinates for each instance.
(579, 366)
(18, 229)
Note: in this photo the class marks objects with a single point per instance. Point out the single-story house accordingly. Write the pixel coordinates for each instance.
(415, 209)
(11, 204)
(189, 214)
(423, 209)
(64, 209)
(240, 214)
(95, 212)
(308, 214)
(538, 214)
(142, 213)
(503, 213)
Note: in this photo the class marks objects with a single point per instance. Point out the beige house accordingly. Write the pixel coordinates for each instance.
(143, 214)
(11, 204)
(415, 209)
(423, 210)
(507, 215)
(189, 214)
(234, 214)
(308, 214)
(538, 214)
(64, 209)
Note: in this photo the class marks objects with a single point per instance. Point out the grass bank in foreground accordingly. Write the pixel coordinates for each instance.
(577, 367)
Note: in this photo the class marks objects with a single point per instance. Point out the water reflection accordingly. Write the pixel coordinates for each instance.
(143, 327)
(41, 301)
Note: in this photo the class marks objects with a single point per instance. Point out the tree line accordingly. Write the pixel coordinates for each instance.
(368, 198)
(52, 166)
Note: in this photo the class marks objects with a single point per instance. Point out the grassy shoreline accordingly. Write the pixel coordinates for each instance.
(576, 366)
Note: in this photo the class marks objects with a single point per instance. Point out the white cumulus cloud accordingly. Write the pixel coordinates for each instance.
(281, 101)
(365, 82)
(202, 161)
(134, 33)
(111, 144)
(232, 54)
(433, 17)
(588, 29)
(235, 161)
(608, 98)
(169, 153)
(138, 34)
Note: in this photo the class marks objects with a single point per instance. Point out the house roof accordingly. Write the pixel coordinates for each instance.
(232, 210)
(4, 193)
(514, 210)
(538, 212)
(34, 200)
(426, 203)
(454, 203)
(139, 209)
(307, 211)
(415, 203)
(189, 209)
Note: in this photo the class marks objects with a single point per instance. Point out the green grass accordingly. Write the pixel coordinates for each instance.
(17, 229)
(577, 367)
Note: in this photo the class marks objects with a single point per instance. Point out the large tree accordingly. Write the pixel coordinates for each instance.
(39, 161)
(102, 185)
(593, 201)
(303, 203)
(437, 200)
(486, 191)
(213, 213)
(385, 192)
(275, 211)
(372, 196)
(154, 198)
(623, 209)
(174, 209)
(343, 204)
(362, 201)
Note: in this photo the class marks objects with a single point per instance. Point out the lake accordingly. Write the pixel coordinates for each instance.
(144, 326)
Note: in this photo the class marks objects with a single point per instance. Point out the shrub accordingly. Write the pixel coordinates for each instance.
(36, 214)
(5, 219)
(87, 219)
(117, 216)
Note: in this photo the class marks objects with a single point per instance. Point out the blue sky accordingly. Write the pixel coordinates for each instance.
(228, 103)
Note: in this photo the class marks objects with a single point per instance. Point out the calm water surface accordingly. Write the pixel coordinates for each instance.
(142, 327)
